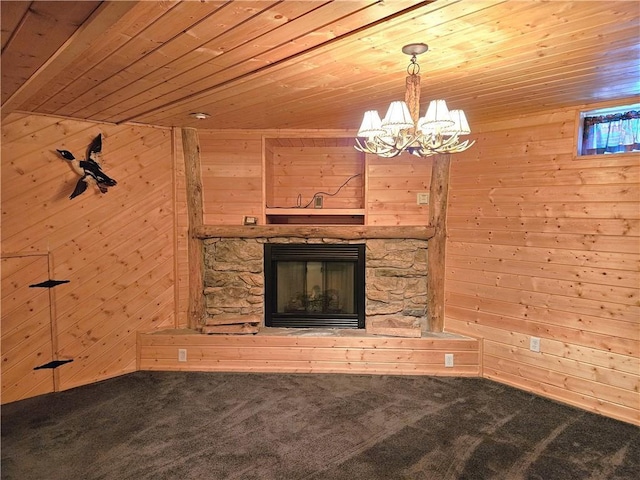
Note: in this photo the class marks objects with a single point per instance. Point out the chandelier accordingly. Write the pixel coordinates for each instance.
(403, 130)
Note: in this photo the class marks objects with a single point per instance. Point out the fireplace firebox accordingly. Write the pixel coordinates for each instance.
(314, 285)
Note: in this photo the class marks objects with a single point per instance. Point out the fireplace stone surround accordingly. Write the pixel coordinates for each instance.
(395, 278)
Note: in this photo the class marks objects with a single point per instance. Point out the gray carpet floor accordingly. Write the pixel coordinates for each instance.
(172, 425)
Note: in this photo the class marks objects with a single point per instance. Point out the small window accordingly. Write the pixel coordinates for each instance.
(610, 130)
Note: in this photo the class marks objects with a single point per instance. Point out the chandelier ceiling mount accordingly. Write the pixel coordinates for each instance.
(414, 49)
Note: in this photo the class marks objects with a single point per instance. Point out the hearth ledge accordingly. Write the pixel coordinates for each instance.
(310, 332)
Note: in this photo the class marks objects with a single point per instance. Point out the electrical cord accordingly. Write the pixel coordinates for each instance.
(299, 200)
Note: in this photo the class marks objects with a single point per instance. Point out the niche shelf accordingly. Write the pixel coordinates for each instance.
(315, 216)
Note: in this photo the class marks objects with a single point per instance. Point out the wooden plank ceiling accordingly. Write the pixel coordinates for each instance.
(310, 64)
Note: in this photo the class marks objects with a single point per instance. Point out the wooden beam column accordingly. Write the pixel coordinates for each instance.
(191, 150)
(437, 244)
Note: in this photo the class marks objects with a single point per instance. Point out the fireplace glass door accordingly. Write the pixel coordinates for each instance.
(314, 285)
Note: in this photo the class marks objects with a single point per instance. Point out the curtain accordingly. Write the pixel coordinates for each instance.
(618, 132)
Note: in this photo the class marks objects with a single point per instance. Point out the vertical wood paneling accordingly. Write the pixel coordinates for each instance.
(231, 176)
(298, 173)
(181, 222)
(26, 328)
(542, 244)
(267, 172)
(393, 186)
(117, 249)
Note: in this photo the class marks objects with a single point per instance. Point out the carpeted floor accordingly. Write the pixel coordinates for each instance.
(171, 425)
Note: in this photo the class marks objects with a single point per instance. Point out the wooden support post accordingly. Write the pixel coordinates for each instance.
(437, 244)
(191, 149)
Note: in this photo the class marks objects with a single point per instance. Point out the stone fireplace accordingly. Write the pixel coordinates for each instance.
(395, 279)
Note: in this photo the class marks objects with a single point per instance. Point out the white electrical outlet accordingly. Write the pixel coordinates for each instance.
(448, 359)
(423, 199)
(182, 354)
(534, 344)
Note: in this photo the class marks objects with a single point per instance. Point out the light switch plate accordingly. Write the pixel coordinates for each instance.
(423, 198)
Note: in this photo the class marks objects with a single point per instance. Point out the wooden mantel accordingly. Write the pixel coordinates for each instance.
(344, 232)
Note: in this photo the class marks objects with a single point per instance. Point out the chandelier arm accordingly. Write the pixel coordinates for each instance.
(393, 146)
(382, 150)
(407, 142)
(358, 146)
(452, 140)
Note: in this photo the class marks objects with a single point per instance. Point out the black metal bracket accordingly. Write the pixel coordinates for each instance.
(49, 284)
(53, 364)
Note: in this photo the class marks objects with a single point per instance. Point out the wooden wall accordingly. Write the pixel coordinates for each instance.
(540, 244)
(26, 327)
(238, 181)
(274, 352)
(392, 188)
(116, 249)
(544, 244)
(296, 174)
(231, 165)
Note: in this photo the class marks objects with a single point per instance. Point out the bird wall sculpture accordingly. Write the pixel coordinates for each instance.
(89, 169)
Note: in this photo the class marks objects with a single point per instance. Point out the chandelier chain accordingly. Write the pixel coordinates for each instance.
(414, 67)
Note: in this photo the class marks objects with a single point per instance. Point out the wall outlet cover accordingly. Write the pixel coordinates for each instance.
(448, 359)
(534, 344)
(182, 354)
(423, 199)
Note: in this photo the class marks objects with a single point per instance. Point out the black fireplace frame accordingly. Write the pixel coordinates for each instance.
(274, 252)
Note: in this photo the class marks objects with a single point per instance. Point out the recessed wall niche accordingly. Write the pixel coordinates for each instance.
(322, 176)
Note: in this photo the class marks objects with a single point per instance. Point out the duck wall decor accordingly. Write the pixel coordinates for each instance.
(89, 169)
